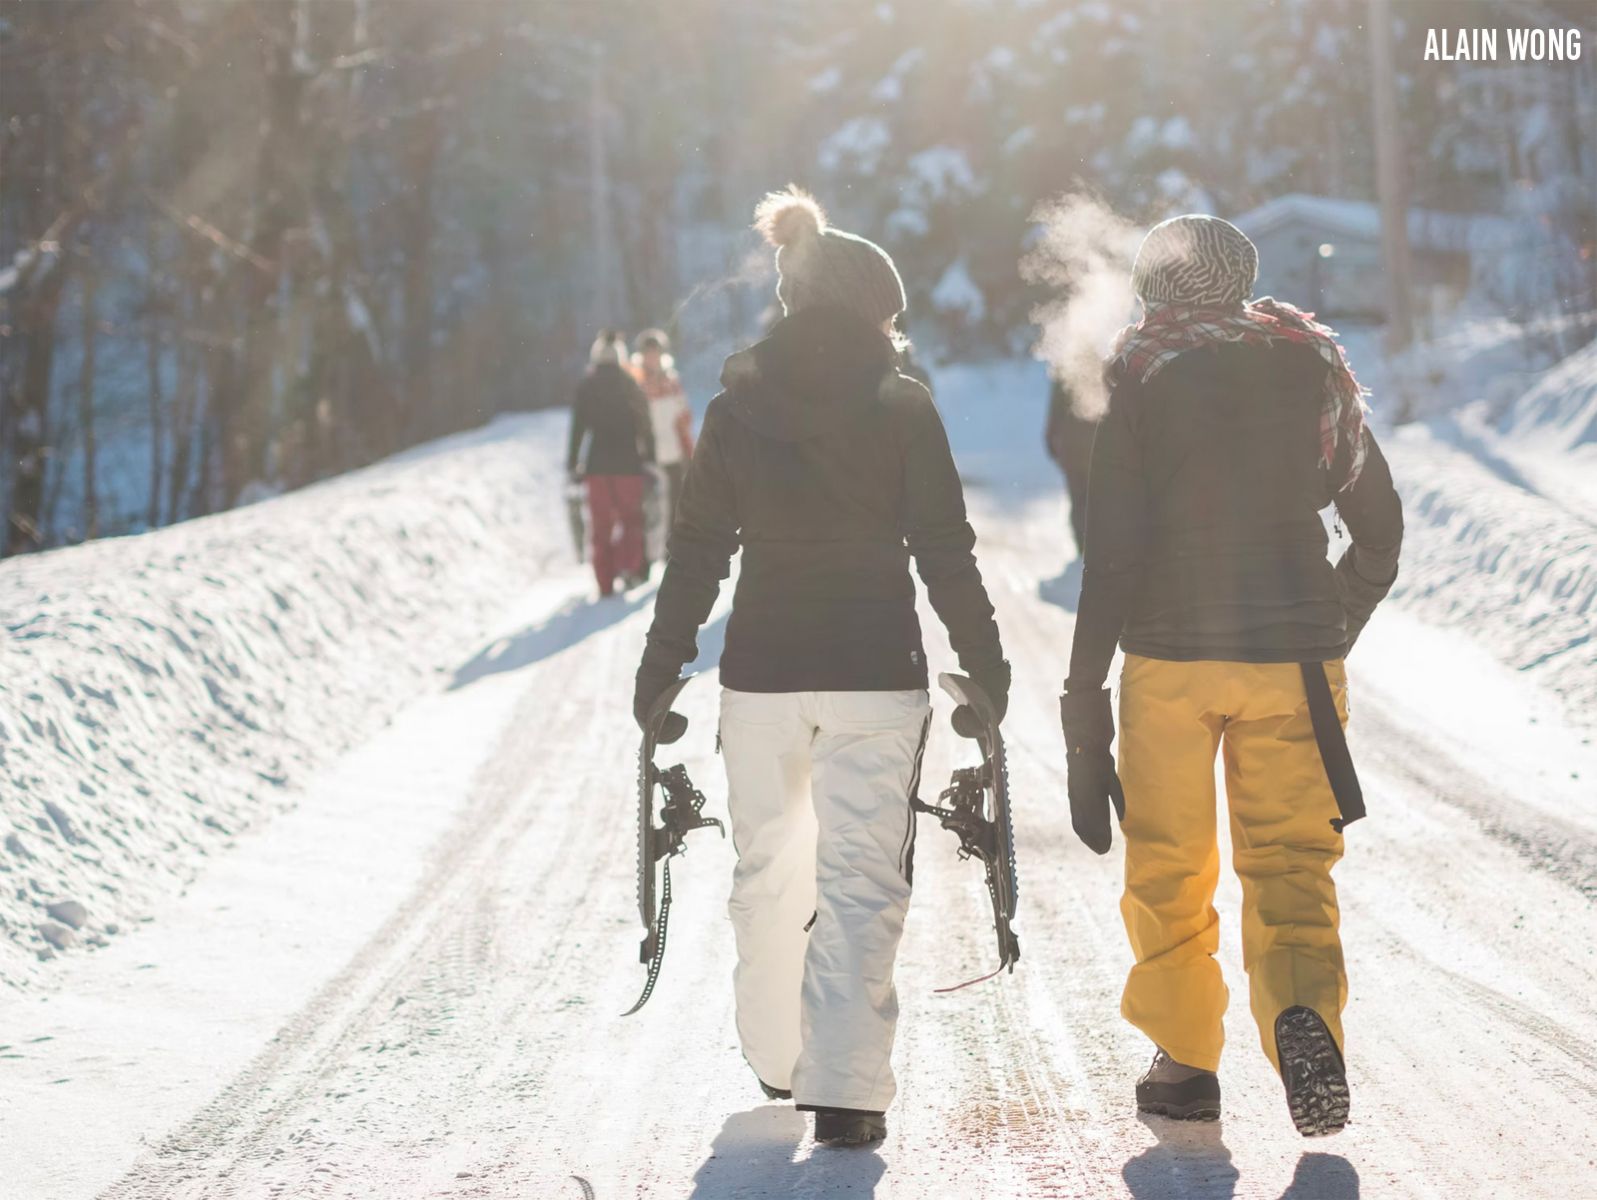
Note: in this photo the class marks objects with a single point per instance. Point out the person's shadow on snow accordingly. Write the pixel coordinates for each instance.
(1323, 1177)
(1064, 589)
(756, 1148)
(579, 619)
(1189, 1162)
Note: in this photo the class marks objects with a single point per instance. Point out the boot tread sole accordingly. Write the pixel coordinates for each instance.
(1313, 1072)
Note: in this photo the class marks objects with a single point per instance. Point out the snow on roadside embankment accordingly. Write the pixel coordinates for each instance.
(1508, 566)
(1499, 500)
(161, 693)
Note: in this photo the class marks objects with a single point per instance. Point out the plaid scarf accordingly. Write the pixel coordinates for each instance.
(1167, 330)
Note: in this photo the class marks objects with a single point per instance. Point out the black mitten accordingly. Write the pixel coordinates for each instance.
(995, 682)
(1089, 725)
(646, 690)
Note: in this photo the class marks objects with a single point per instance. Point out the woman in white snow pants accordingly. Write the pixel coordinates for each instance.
(819, 790)
(830, 472)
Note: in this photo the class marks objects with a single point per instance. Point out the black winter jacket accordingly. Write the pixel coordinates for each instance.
(611, 414)
(831, 471)
(1204, 536)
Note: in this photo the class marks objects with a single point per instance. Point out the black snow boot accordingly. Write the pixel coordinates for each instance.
(1172, 1089)
(849, 1126)
(1313, 1071)
(773, 1093)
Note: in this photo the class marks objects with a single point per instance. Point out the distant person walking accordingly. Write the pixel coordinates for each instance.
(672, 423)
(831, 470)
(1230, 425)
(1068, 437)
(612, 439)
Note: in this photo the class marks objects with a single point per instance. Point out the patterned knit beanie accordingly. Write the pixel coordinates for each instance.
(1197, 261)
(819, 265)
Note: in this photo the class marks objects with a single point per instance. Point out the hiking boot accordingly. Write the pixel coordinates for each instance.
(1172, 1089)
(1313, 1072)
(773, 1093)
(849, 1126)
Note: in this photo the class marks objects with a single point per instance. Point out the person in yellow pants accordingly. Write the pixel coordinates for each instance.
(1231, 424)
(1174, 718)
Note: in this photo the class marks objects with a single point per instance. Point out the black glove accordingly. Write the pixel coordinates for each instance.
(1089, 727)
(646, 690)
(995, 682)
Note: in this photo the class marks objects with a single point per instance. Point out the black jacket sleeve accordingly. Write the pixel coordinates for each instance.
(942, 542)
(1373, 515)
(1117, 543)
(639, 403)
(579, 428)
(703, 540)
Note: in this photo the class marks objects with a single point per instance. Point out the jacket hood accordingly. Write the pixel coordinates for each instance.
(819, 369)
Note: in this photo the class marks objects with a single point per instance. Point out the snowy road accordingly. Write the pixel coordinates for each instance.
(409, 988)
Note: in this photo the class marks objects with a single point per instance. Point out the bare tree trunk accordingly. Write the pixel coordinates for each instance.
(152, 368)
(1390, 179)
(183, 404)
(604, 290)
(252, 392)
(91, 503)
(416, 384)
(30, 447)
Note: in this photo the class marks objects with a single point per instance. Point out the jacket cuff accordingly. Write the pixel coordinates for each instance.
(1087, 718)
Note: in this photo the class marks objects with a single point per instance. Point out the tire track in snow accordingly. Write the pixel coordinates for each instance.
(1561, 848)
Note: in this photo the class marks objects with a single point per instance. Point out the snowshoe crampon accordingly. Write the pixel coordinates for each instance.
(681, 811)
(975, 806)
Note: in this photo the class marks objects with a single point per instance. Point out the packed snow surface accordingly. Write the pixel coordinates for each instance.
(406, 982)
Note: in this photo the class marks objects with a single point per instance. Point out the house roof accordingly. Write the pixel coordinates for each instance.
(1440, 232)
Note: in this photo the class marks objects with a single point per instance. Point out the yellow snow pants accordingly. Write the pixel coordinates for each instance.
(1174, 717)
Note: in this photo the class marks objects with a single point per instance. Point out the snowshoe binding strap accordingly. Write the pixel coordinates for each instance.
(680, 814)
(1332, 740)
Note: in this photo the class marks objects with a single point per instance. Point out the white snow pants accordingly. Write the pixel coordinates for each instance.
(819, 790)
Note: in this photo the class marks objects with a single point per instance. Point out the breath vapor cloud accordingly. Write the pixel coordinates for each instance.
(1083, 253)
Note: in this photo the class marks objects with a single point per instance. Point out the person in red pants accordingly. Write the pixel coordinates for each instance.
(612, 438)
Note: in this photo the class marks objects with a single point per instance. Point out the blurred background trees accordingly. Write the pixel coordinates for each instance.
(246, 244)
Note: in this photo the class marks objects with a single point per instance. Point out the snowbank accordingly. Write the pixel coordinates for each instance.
(1512, 568)
(161, 693)
(1498, 497)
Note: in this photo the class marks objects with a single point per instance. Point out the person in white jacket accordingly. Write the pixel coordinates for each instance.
(673, 428)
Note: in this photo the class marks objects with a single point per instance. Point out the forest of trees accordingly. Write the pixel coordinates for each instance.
(246, 244)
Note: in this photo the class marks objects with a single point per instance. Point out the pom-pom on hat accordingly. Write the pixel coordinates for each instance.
(817, 264)
(1195, 260)
(608, 347)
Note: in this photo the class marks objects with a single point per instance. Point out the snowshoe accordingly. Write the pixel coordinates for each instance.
(577, 519)
(1172, 1089)
(680, 814)
(849, 1126)
(975, 807)
(1313, 1072)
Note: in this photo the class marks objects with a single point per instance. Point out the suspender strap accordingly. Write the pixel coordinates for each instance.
(1333, 746)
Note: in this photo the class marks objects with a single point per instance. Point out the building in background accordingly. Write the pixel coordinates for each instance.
(1325, 254)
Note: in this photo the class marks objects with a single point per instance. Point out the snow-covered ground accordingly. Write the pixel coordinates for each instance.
(162, 694)
(406, 982)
